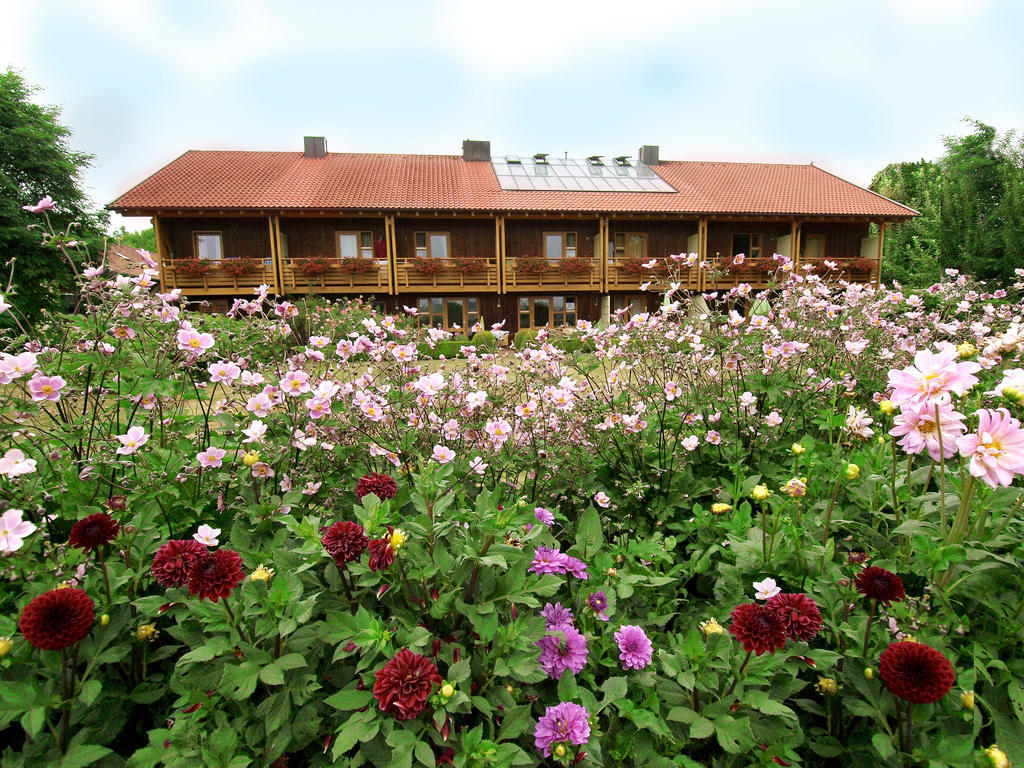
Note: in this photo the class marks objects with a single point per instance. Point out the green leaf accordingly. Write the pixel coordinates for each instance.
(90, 690)
(614, 688)
(589, 536)
(84, 755)
(883, 746)
(458, 671)
(239, 682)
(349, 699)
(701, 728)
(567, 689)
(425, 754)
(734, 734)
(517, 721)
(32, 721)
(763, 703)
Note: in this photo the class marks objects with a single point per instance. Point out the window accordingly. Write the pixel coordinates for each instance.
(438, 312)
(813, 247)
(432, 245)
(208, 245)
(545, 311)
(633, 304)
(559, 245)
(747, 243)
(355, 245)
(627, 246)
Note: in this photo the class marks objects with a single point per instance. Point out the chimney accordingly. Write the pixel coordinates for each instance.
(648, 155)
(314, 146)
(476, 151)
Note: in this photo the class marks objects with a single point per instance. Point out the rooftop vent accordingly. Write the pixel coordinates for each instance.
(513, 160)
(476, 151)
(622, 160)
(595, 160)
(314, 146)
(541, 158)
(648, 155)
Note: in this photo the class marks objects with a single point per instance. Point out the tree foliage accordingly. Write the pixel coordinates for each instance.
(971, 203)
(144, 238)
(35, 161)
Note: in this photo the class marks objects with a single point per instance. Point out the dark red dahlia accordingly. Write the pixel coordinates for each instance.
(799, 613)
(173, 562)
(915, 672)
(382, 554)
(57, 619)
(383, 487)
(404, 684)
(214, 574)
(345, 542)
(93, 531)
(879, 584)
(758, 627)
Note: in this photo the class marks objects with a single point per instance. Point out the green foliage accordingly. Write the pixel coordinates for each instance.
(36, 161)
(524, 337)
(144, 239)
(971, 203)
(485, 340)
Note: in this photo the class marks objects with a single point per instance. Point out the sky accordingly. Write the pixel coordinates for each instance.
(850, 86)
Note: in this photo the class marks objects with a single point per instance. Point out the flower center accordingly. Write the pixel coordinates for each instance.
(194, 343)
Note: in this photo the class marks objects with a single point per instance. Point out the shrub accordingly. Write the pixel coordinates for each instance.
(485, 340)
(524, 337)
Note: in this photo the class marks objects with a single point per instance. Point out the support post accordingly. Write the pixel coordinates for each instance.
(702, 258)
(601, 252)
(279, 261)
(499, 250)
(389, 243)
(881, 242)
(161, 252)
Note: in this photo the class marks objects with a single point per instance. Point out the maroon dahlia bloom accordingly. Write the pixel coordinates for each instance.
(879, 584)
(382, 554)
(799, 614)
(345, 542)
(57, 619)
(915, 672)
(758, 627)
(214, 574)
(404, 684)
(93, 531)
(173, 562)
(382, 486)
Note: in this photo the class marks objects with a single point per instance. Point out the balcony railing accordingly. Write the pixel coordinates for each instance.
(461, 275)
(217, 277)
(629, 274)
(318, 275)
(537, 272)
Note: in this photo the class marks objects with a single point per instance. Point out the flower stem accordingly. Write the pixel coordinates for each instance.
(739, 674)
(867, 629)
(106, 577)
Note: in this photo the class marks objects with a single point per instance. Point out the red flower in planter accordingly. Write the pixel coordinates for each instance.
(404, 684)
(57, 619)
(192, 267)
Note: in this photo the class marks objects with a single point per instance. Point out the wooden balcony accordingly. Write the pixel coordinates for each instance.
(449, 275)
(311, 276)
(851, 270)
(216, 281)
(629, 276)
(723, 274)
(529, 273)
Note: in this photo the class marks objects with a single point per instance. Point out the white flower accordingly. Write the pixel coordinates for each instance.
(602, 499)
(765, 589)
(207, 536)
(13, 530)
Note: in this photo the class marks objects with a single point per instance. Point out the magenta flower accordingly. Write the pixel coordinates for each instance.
(915, 425)
(635, 649)
(559, 654)
(46, 387)
(996, 450)
(933, 375)
(46, 204)
(547, 560)
(544, 516)
(556, 617)
(598, 603)
(13, 530)
(131, 441)
(564, 723)
(211, 457)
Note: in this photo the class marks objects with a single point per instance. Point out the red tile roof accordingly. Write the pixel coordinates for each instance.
(124, 260)
(234, 180)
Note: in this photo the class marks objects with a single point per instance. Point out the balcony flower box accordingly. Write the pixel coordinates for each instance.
(237, 267)
(317, 266)
(634, 267)
(471, 264)
(532, 265)
(353, 266)
(426, 266)
(577, 265)
(193, 267)
(860, 266)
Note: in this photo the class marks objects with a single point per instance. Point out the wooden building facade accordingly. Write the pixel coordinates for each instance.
(460, 248)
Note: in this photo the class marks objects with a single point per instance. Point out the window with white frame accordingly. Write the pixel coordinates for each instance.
(355, 245)
(208, 246)
(559, 245)
(432, 245)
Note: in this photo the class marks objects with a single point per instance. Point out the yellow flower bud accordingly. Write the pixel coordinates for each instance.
(1014, 395)
(447, 690)
(827, 686)
(560, 750)
(509, 690)
(146, 633)
(612, 572)
(398, 537)
(966, 349)
(887, 407)
(262, 573)
(798, 449)
(104, 620)
(967, 699)
(998, 757)
(5, 646)
(761, 492)
(711, 627)
(852, 471)
(250, 457)
(869, 673)
(720, 508)
(64, 585)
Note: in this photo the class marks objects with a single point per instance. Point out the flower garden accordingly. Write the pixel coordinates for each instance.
(295, 536)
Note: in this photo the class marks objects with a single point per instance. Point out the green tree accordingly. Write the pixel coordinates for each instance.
(145, 238)
(36, 161)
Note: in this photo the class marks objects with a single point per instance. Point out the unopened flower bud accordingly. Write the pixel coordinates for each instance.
(104, 620)
(447, 690)
(998, 757)
(250, 457)
(560, 750)
(146, 633)
(509, 690)
(966, 349)
(5, 646)
(887, 407)
(1014, 395)
(720, 508)
(967, 699)
(852, 471)
(869, 673)
(612, 572)
(827, 686)
(760, 492)
(798, 449)
(711, 627)
(262, 573)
